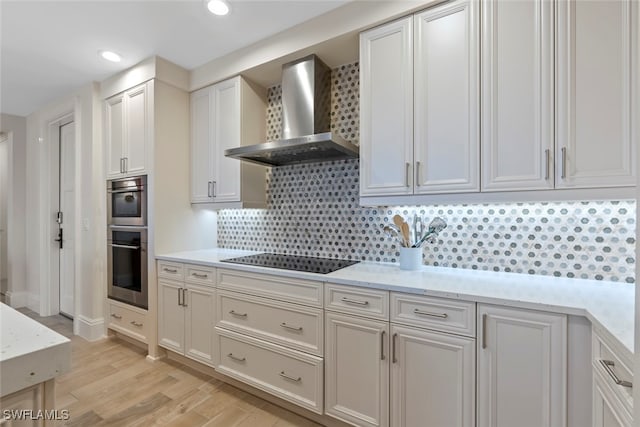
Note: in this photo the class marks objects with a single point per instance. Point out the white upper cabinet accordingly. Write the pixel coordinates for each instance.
(128, 131)
(419, 103)
(227, 115)
(594, 94)
(446, 81)
(386, 109)
(517, 107)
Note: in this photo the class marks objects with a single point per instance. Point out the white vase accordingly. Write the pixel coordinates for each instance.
(410, 258)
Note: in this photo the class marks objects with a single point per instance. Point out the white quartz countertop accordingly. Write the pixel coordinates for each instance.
(608, 305)
(30, 353)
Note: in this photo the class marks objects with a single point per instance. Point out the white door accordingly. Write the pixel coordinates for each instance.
(446, 79)
(522, 368)
(386, 109)
(171, 315)
(432, 379)
(136, 125)
(4, 202)
(199, 323)
(226, 134)
(595, 47)
(67, 219)
(114, 135)
(518, 77)
(201, 146)
(357, 370)
(607, 410)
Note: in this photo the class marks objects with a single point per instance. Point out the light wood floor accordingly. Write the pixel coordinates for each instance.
(112, 384)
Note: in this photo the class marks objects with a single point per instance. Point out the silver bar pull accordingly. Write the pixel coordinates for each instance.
(184, 297)
(382, 334)
(115, 316)
(210, 189)
(354, 301)
(393, 348)
(418, 180)
(608, 366)
(293, 328)
(426, 313)
(179, 293)
(126, 164)
(169, 270)
(121, 164)
(115, 245)
(235, 313)
(284, 375)
(134, 323)
(214, 188)
(200, 276)
(407, 176)
(547, 160)
(236, 358)
(564, 162)
(484, 331)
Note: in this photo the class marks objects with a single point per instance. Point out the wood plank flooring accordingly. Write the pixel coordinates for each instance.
(112, 384)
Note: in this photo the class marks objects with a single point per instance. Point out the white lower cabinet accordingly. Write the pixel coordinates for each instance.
(186, 319)
(432, 379)
(357, 370)
(522, 368)
(607, 409)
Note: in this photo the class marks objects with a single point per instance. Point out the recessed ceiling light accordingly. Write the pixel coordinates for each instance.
(109, 56)
(218, 7)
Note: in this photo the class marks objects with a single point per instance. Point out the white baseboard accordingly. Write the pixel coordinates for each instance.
(33, 302)
(89, 329)
(16, 299)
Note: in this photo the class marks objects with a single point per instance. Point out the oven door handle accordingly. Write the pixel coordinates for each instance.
(114, 245)
(127, 190)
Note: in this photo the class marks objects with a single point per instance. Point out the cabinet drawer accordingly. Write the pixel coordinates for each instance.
(299, 291)
(290, 325)
(612, 365)
(360, 301)
(458, 317)
(171, 270)
(128, 321)
(288, 374)
(199, 274)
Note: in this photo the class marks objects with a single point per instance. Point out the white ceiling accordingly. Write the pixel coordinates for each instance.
(49, 48)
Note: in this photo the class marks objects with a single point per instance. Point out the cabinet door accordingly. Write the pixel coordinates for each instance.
(386, 109)
(357, 370)
(594, 51)
(137, 129)
(114, 135)
(446, 78)
(522, 368)
(200, 321)
(170, 316)
(432, 379)
(517, 113)
(226, 134)
(201, 146)
(607, 411)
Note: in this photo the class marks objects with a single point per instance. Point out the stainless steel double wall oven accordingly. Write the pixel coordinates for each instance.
(127, 240)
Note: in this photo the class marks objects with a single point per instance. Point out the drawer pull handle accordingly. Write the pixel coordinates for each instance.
(426, 313)
(134, 323)
(293, 328)
(608, 366)
(235, 313)
(283, 375)
(115, 316)
(237, 359)
(382, 334)
(354, 301)
(200, 276)
(170, 270)
(393, 348)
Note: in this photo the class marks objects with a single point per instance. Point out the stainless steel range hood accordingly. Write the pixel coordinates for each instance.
(306, 121)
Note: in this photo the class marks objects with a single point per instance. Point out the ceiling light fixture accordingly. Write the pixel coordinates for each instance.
(218, 7)
(109, 56)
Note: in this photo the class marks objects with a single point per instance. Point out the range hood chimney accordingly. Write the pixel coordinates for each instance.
(306, 121)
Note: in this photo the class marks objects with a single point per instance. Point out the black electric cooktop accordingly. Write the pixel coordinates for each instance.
(292, 262)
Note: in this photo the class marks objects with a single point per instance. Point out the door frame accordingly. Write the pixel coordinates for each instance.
(49, 290)
(7, 138)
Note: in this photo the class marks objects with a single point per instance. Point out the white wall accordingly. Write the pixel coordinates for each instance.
(16, 242)
(90, 209)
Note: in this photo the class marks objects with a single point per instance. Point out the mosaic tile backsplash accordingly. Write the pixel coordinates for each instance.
(313, 210)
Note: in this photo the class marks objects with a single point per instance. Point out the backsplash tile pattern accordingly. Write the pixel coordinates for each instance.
(313, 210)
